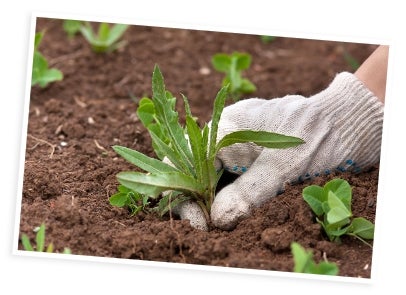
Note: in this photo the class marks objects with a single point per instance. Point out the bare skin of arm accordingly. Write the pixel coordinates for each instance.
(373, 71)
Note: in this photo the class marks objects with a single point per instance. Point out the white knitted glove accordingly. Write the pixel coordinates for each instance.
(342, 130)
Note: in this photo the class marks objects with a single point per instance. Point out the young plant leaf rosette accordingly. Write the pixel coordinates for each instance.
(190, 150)
(332, 206)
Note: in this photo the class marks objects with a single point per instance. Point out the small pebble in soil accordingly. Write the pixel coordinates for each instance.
(204, 71)
(63, 143)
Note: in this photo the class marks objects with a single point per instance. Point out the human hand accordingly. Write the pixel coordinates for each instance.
(342, 130)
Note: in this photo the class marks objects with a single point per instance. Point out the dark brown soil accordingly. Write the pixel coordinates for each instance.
(70, 167)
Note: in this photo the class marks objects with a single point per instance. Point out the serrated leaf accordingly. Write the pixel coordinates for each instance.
(142, 161)
(170, 120)
(261, 138)
(314, 197)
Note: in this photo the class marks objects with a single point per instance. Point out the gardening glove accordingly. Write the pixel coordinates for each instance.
(341, 127)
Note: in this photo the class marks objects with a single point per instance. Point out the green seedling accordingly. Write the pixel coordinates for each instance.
(106, 39)
(304, 262)
(332, 206)
(40, 242)
(233, 65)
(134, 201)
(42, 75)
(191, 151)
(72, 27)
(267, 39)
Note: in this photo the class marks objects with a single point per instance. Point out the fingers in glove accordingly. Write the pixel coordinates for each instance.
(235, 201)
(192, 211)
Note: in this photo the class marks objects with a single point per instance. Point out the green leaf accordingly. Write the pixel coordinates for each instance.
(219, 103)
(49, 76)
(71, 27)
(169, 120)
(221, 62)
(342, 189)
(142, 161)
(338, 211)
(87, 33)
(243, 61)
(154, 184)
(302, 259)
(26, 243)
(262, 138)
(196, 143)
(304, 263)
(40, 238)
(164, 149)
(326, 268)
(247, 86)
(314, 196)
(116, 33)
(50, 248)
(362, 228)
(103, 33)
(37, 40)
(146, 111)
(118, 199)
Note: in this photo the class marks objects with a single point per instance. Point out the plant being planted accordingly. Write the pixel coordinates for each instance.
(332, 207)
(40, 242)
(42, 75)
(304, 262)
(191, 151)
(106, 39)
(233, 65)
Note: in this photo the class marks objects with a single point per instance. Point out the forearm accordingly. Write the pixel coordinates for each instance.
(373, 71)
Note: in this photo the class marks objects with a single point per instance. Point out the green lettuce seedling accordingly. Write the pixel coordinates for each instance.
(42, 75)
(191, 151)
(72, 27)
(332, 207)
(106, 39)
(233, 65)
(304, 263)
(40, 242)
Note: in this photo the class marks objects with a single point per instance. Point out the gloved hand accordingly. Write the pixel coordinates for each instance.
(342, 130)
